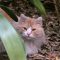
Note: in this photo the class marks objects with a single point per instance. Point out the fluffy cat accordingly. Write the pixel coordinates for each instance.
(32, 32)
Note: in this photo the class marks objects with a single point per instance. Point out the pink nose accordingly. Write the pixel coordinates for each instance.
(28, 34)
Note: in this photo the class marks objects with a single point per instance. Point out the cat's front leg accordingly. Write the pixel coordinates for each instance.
(31, 49)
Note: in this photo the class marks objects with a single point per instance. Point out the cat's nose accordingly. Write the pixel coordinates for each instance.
(28, 34)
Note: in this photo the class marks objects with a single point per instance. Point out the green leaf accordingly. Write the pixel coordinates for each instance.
(10, 0)
(39, 6)
(9, 12)
(13, 43)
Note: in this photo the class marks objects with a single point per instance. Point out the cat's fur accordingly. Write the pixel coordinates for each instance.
(32, 32)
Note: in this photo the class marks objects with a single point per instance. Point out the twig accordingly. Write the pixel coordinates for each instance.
(56, 9)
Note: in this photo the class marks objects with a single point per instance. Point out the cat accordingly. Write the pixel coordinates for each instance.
(32, 32)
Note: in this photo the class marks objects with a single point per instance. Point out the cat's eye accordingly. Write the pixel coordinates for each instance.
(25, 28)
(33, 29)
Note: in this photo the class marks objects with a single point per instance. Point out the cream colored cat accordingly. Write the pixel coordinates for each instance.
(32, 33)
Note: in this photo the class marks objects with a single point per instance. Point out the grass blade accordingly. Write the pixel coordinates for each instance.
(40, 7)
(9, 12)
(11, 40)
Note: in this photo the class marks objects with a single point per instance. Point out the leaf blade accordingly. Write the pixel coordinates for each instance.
(11, 40)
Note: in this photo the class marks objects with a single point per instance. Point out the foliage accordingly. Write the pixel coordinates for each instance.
(39, 6)
(9, 12)
(12, 41)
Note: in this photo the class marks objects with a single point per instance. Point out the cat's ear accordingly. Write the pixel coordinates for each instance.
(39, 20)
(23, 17)
(18, 18)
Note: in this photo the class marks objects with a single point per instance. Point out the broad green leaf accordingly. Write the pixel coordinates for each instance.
(39, 6)
(10, 0)
(13, 43)
(9, 12)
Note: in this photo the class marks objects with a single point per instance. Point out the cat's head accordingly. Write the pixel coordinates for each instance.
(30, 27)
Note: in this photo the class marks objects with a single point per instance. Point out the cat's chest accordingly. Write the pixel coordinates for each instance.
(36, 42)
